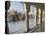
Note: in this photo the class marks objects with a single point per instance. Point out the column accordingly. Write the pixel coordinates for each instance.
(43, 20)
(39, 21)
(37, 15)
(40, 18)
(26, 29)
(42, 23)
(7, 5)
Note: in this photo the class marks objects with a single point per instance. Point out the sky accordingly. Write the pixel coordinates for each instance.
(16, 6)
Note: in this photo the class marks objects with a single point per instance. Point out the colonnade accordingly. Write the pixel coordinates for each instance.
(38, 16)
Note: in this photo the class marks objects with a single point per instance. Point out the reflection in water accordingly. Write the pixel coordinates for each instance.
(19, 26)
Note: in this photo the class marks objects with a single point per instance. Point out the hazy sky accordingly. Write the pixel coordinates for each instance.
(16, 6)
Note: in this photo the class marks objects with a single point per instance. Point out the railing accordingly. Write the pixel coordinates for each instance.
(35, 29)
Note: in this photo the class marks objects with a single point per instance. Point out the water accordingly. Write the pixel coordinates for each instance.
(18, 27)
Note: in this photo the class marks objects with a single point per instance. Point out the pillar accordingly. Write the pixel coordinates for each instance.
(37, 15)
(42, 24)
(7, 5)
(26, 29)
(43, 20)
(39, 21)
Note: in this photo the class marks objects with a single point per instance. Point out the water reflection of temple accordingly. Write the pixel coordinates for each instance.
(13, 15)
